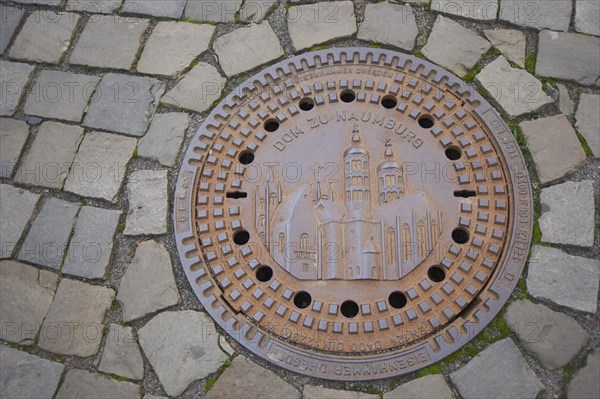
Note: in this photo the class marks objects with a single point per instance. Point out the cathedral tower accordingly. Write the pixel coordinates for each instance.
(389, 176)
(356, 183)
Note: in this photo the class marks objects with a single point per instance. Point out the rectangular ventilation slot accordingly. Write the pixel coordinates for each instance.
(465, 193)
(236, 194)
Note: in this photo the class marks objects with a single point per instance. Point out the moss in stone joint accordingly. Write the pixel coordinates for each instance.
(135, 153)
(375, 45)
(522, 289)
(430, 370)
(56, 357)
(530, 62)
(322, 47)
(419, 54)
(492, 53)
(115, 305)
(119, 378)
(212, 380)
(584, 144)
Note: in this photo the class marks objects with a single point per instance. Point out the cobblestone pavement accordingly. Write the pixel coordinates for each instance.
(99, 99)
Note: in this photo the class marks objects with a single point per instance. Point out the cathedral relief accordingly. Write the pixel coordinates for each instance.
(347, 230)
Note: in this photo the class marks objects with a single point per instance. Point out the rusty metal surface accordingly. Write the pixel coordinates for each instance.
(353, 214)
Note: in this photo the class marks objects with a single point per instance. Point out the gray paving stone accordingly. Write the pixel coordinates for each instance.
(13, 135)
(511, 43)
(164, 137)
(108, 41)
(485, 10)
(554, 146)
(121, 355)
(49, 234)
(167, 9)
(568, 213)
(246, 48)
(26, 293)
(256, 10)
(588, 121)
(315, 392)
(83, 384)
(578, 278)
(388, 23)
(243, 378)
(212, 11)
(50, 3)
(499, 368)
(11, 18)
(198, 89)
(459, 56)
(565, 103)
(50, 156)
(149, 396)
(172, 47)
(74, 324)
(45, 37)
(16, 207)
(95, 6)
(91, 247)
(148, 284)
(554, 338)
(13, 78)
(568, 56)
(585, 383)
(172, 336)
(317, 23)
(516, 90)
(99, 166)
(431, 386)
(587, 17)
(60, 95)
(26, 376)
(124, 104)
(538, 14)
(147, 192)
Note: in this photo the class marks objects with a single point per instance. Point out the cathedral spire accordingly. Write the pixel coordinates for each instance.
(355, 134)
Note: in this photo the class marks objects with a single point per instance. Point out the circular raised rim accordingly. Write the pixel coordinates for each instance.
(448, 339)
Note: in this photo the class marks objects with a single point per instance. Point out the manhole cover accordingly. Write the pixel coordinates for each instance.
(353, 214)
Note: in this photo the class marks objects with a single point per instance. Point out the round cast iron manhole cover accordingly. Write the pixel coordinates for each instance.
(353, 214)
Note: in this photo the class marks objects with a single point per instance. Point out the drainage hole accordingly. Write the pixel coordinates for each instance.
(465, 193)
(460, 236)
(236, 194)
(389, 102)
(349, 309)
(264, 273)
(306, 104)
(436, 274)
(426, 122)
(241, 237)
(246, 157)
(397, 300)
(347, 96)
(271, 125)
(302, 299)
(453, 153)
